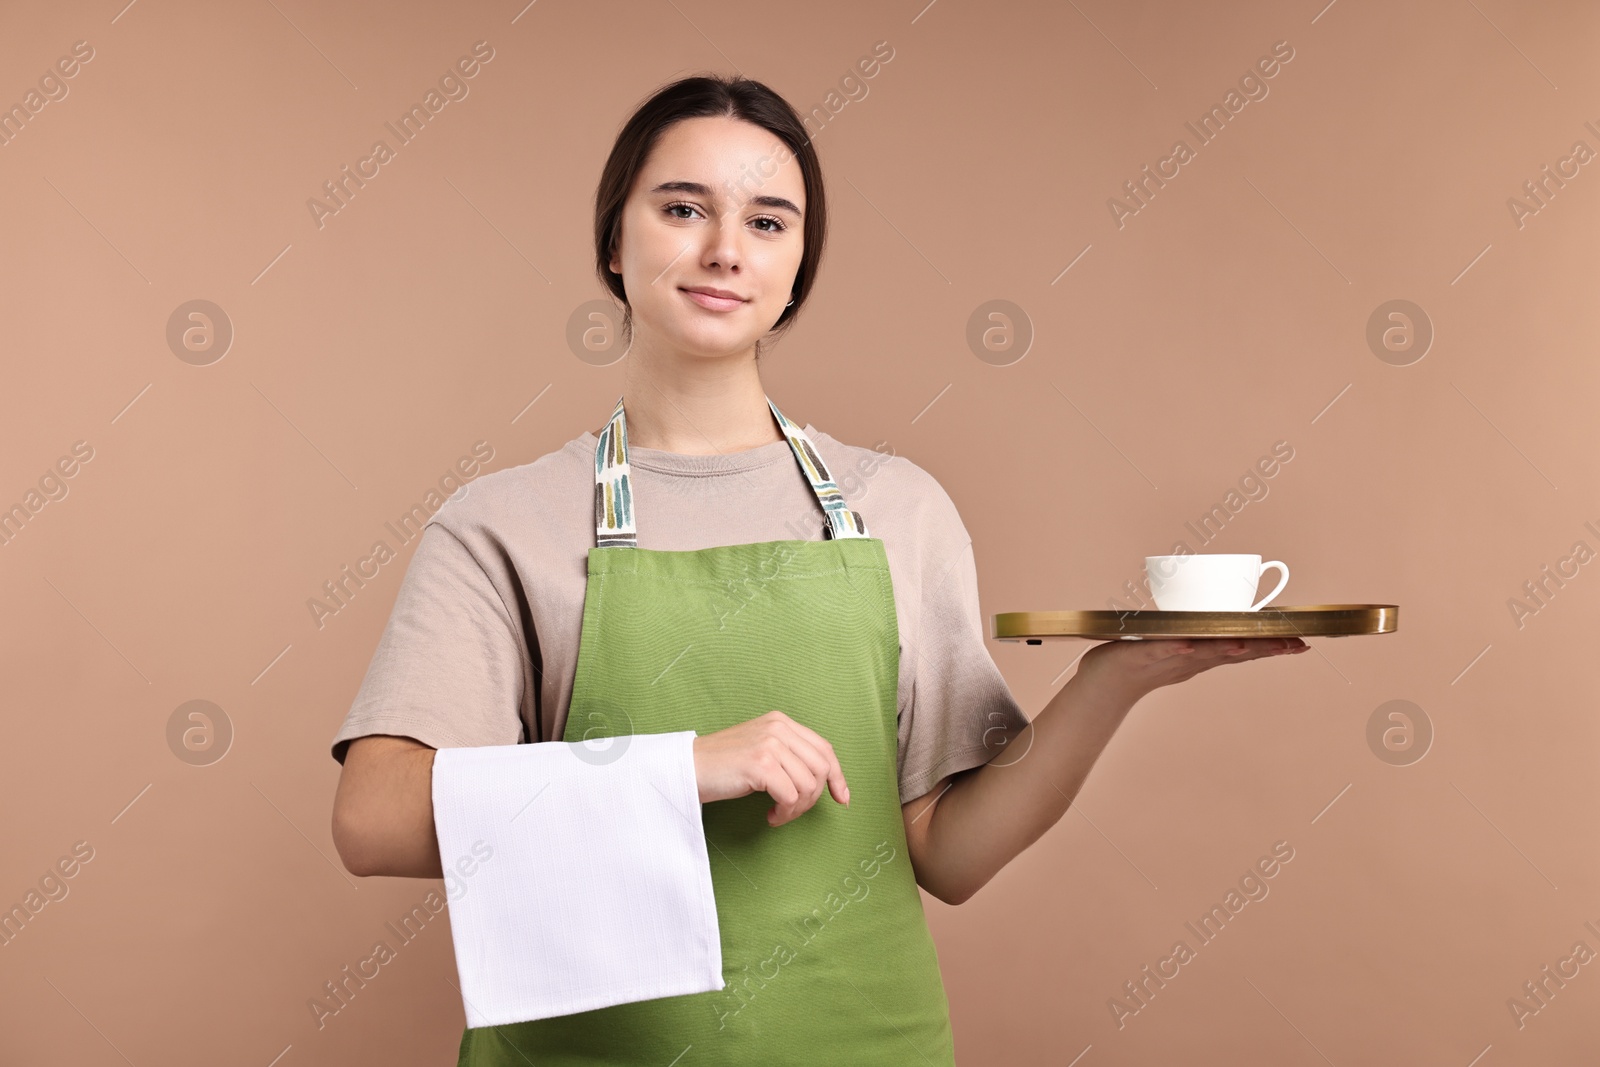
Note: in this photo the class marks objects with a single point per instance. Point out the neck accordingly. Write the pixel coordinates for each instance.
(696, 405)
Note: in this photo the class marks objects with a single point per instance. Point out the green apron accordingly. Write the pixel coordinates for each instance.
(826, 953)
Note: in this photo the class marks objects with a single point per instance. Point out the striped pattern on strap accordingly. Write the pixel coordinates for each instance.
(613, 485)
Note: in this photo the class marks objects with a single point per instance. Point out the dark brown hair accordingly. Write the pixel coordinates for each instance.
(708, 95)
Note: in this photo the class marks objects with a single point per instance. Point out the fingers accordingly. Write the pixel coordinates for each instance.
(810, 763)
(789, 782)
(1220, 649)
(820, 757)
(1234, 649)
(817, 752)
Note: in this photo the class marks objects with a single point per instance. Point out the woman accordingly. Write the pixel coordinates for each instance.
(814, 644)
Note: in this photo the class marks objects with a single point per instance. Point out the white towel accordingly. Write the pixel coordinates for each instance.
(577, 875)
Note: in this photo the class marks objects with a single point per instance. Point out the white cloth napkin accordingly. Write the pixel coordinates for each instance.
(576, 874)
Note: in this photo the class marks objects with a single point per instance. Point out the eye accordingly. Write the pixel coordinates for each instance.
(778, 225)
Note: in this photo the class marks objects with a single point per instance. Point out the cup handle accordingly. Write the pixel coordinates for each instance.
(1281, 583)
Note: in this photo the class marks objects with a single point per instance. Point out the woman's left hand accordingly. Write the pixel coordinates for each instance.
(1140, 667)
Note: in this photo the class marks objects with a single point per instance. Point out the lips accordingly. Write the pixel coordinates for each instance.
(713, 299)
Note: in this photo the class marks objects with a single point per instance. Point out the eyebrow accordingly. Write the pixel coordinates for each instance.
(775, 203)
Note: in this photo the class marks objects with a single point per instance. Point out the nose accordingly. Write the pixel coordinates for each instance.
(724, 245)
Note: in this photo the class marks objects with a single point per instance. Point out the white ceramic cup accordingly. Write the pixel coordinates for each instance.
(1210, 581)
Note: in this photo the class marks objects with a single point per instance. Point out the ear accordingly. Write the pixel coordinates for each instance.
(614, 263)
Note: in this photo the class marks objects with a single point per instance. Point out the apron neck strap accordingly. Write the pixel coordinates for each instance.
(613, 485)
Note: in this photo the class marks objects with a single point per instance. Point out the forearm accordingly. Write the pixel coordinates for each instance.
(383, 812)
(990, 814)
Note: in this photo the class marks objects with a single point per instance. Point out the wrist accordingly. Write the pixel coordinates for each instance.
(1098, 685)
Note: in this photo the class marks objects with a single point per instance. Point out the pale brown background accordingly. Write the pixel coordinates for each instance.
(1227, 315)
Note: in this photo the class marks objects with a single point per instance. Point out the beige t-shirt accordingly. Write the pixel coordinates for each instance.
(481, 647)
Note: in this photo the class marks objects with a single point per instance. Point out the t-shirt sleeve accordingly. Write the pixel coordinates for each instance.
(961, 712)
(451, 666)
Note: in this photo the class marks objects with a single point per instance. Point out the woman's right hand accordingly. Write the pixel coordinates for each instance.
(770, 753)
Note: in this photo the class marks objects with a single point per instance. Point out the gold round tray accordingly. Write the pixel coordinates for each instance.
(1309, 620)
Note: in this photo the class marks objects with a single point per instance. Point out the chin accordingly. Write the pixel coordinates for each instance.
(714, 339)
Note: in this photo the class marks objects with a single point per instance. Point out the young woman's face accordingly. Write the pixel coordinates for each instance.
(717, 205)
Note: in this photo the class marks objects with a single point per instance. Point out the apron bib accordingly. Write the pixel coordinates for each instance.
(826, 952)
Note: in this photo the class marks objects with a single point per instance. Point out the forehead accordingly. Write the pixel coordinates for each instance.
(734, 158)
